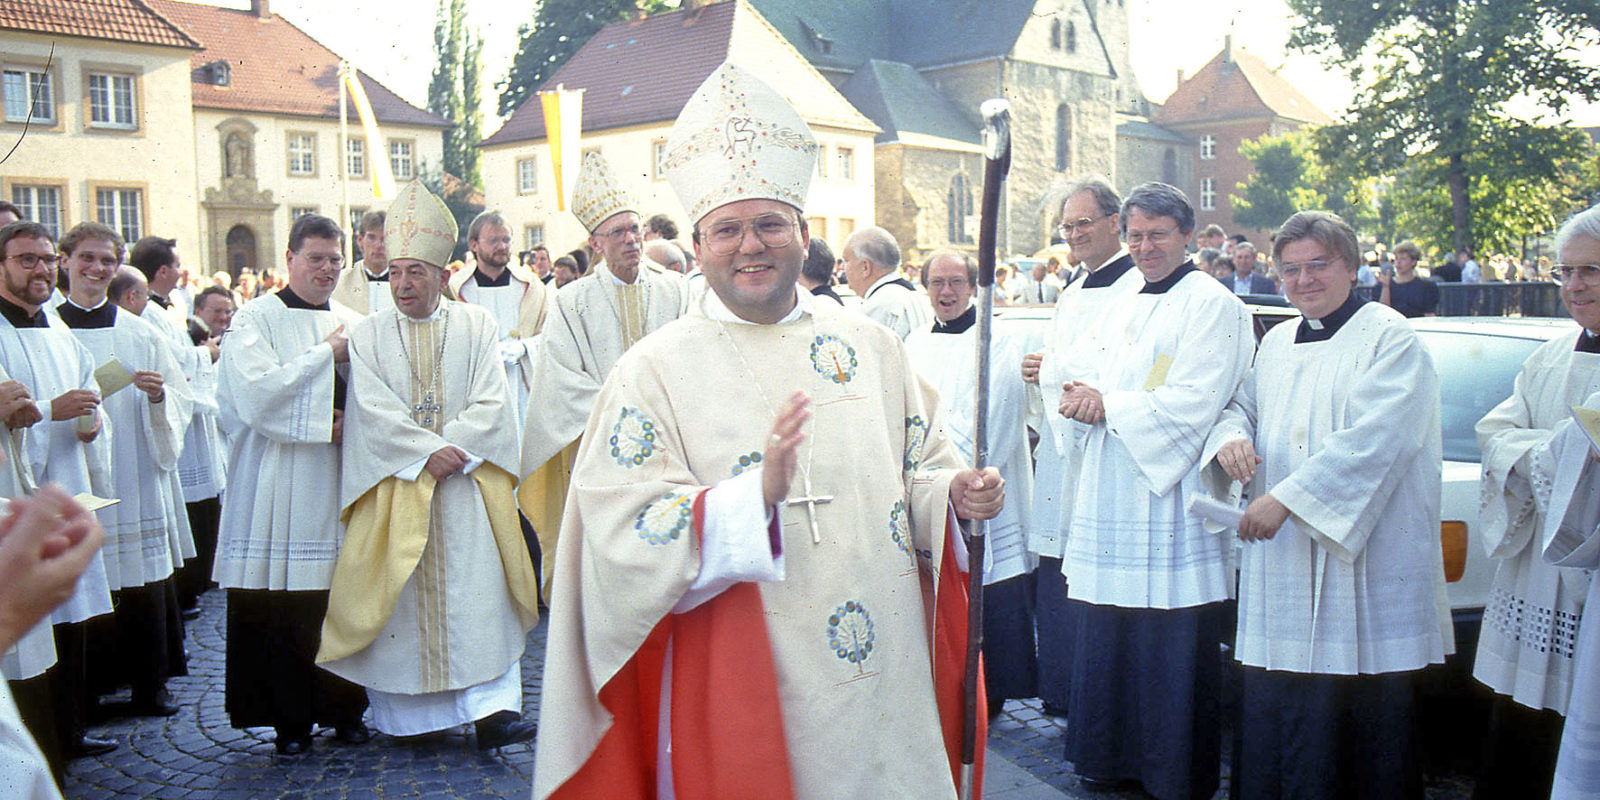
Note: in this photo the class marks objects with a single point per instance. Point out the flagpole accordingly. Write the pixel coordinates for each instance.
(344, 163)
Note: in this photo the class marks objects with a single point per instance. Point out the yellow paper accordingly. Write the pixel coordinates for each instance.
(1158, 373)
(93, 503)
(112, 377)
(1589, 420)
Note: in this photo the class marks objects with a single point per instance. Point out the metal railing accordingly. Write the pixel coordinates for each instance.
(1519, 299)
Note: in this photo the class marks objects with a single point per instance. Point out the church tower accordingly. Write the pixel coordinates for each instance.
(1111, 21)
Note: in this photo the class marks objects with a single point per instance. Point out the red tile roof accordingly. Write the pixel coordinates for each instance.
(115, 20)
(1237, 83)
(276, 68)
(642, 71)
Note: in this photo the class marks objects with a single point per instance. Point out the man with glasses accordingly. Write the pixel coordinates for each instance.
(595, 319)
(363, 286)
(1146, 582)
(43, 358)
(760, 505)
(281, 389)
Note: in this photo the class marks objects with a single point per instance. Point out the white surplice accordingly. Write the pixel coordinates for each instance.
(1353, 583)
(1074, 346)
(200, 465)
(147, 533)
(362, 293)
(1572, 539)
(1170, 363)
(949, 362)
(1530, 624)
(280, 525)
(35, 652)
(24, 774)
(449, 651)
(50, 362)
(582, 339)
(518, 349)
(893, 303)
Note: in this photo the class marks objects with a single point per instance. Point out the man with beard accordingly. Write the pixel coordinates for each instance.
(595, 320)
(512, 294)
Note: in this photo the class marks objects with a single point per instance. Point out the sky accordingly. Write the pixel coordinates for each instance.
(392, 40)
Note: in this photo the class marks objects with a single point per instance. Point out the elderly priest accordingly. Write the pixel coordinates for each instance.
(761, 503)
(433, 593)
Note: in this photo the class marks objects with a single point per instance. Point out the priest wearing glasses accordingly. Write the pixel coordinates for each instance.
(763, 499)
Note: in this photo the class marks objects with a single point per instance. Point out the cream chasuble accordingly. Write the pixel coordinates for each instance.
(360, 293)
(1530, 624)
(433, 591)
(1572, 539)
(595, 320)
(1170, 362)
(690, 408)
(1354, 582)
(50, 362)
(949, 362)
(147, 533)
(1074, 345)
(280, 525)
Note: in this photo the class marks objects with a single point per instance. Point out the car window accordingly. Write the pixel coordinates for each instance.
(1476, 373)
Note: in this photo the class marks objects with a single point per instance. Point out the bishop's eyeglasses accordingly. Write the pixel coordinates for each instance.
(725, 236)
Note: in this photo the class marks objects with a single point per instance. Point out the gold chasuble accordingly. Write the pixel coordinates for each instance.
(440, 570)
(786, 689)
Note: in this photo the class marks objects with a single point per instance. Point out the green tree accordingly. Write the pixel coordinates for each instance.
(453, 91)
(1433, 80)
(558, 29)
(1292, 174)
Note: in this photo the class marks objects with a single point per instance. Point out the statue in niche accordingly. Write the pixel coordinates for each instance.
(237, 151)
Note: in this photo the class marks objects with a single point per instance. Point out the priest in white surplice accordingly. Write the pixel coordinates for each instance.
(512, 294)
(945, 355)
(1092, 225)
(147, 533)
(38, 351)
(433, 594)
(281, 391)
(1341, 580)
(1530, 623)
(363, 286)
(595, 319)
(872, 267)
(710, 637)
(1146, 583)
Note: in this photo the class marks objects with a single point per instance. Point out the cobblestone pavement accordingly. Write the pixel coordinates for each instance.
(196, 755)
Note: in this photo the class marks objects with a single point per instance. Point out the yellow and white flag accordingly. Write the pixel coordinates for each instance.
(563, 127)
(382, 177)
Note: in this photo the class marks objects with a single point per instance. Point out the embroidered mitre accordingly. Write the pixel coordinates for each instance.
(420, 226)
(599, 195)
(738, 139)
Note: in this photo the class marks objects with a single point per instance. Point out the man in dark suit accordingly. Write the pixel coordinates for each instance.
(1245, 278)
(816, 274)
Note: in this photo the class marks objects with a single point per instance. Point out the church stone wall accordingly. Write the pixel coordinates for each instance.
(1037, 93)
(914, 198)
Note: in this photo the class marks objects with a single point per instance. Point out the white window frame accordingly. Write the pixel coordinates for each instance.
(122, 208)
(301, 150)
(403, 159)
(27, 198)
(1208, 147)
(1208, 194)
(822, 160)
(355, 221)
(532, 235)
(113, 101)
(658, 159)
(30, 79)
(847, 163)
(296, 212)
(527, 175)
(355, 157)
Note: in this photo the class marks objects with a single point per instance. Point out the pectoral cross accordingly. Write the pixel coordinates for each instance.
(426, 409)
(811, 501)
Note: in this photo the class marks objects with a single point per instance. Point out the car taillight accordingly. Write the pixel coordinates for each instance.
(1453, 535)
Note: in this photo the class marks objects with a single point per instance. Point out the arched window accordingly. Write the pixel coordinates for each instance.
(1055, 34)
(1072, 37)
(959, 204)
(1063, 137)
(1169, 167)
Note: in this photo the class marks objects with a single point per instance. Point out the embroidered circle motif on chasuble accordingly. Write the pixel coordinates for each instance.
(850, 633)
(666, 518)
(746, 462)
(916, 437)
(900, 527)
(633, 438)
(833, 358)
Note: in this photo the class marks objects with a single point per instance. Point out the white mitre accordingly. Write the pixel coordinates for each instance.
(738, 139)
(599, 195)
(420, 226)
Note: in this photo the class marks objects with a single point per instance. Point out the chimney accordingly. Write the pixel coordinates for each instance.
(1180, 77)
(259, 9)
(1227, 46)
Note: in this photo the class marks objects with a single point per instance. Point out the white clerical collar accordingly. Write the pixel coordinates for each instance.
(373, 277)
(102, 302)
(889, 277)
(716, 310)
(1121, 251)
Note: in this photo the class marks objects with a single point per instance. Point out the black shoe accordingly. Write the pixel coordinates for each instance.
(1053, 710)
(293, 745)
(1099, 785)
(353, 734)
(157, 704)
(90, 746)
(502, 728)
